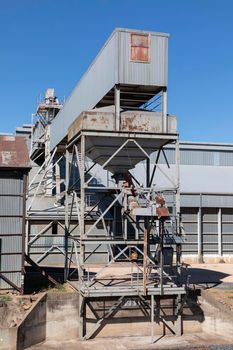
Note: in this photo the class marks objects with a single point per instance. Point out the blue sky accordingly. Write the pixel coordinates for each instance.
(50, 43)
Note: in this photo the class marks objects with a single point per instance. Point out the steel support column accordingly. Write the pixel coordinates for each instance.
(220, 232)
(199, 236)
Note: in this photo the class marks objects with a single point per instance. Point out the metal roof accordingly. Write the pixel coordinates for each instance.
(13, 152)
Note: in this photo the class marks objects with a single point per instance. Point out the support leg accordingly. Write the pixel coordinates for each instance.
(152, 317)
(179, 317)
(82, 317)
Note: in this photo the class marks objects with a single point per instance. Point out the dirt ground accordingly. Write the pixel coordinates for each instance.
(13, 307)
(202, 342)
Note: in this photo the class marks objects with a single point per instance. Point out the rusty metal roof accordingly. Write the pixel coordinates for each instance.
(14, 152)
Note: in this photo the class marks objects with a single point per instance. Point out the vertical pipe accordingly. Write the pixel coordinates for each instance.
(161, 229)
(27, 237)
(67, 180)
(177, 160)
(199, 236)
(179, 317)
(164, 110)
(125, 218)
(117, 107)
(220, 232)
(81, 316)
(147, 172)
(152, 317)
(145, 259)
(114, 221)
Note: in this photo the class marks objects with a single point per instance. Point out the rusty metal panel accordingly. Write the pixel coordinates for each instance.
(140, 47)
(162, 212)
(136, 121)
(13, 152)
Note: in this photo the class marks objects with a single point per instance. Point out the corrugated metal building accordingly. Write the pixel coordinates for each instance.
(206, 171)
(14, 167)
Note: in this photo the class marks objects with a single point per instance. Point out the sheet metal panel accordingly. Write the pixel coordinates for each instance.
(152, 73)
(189, 222)
(96, 82)
(11, 206)
(226, 158)
(11, 183)
(196, 157)
(227, 231)
(13, 152)
(11, 226)
(206, 179)
(192, 200)
(12, 276)
(217, 201)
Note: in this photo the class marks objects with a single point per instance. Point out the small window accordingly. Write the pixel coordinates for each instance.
(140, 47)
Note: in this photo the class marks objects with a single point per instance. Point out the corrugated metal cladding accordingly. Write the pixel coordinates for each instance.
(189, 222)
(216, 231)
(113, 66)
(210, 231)
(153, 72)
(13, 176)
(199, 157)
(227, 231)
(11, 228)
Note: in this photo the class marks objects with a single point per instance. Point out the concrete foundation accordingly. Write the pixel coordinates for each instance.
(54, 318)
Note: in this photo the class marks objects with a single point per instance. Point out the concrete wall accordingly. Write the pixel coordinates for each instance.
(55, 318)
(32, 329)
(8, 338)
(63, 322)
(62, 316)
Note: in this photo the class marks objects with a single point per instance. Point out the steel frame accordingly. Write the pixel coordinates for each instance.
(151, 278)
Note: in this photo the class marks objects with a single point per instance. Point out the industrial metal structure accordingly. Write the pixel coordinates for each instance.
(115, 118)
(14, 168)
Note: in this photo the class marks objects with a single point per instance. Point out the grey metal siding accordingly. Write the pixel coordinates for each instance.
(189, 222)
(210, 231)
(11, 227)
(227, 231)
(190, 200)
(218, 201)
(226, 158)
(153, 73)
(199, 157)
(96, 82)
